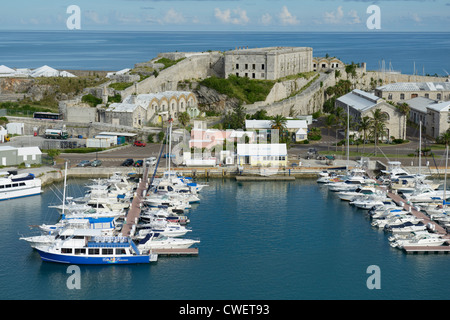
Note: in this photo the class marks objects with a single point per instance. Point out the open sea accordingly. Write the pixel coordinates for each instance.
(259, 241)
(425, 53)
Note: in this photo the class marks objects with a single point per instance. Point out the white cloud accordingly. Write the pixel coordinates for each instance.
(94, 17)
(286, 18)
(237, 16)
(173, 17)
(266, 19)
(339, 17)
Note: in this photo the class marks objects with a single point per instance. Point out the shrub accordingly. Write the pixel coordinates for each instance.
(91, 100)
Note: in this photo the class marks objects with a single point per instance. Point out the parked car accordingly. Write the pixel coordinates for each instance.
(139, 143)
(139, 163)
(128, 163)
(84, 163)
(96, 163)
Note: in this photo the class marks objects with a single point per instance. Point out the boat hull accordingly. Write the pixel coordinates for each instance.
(82, 260)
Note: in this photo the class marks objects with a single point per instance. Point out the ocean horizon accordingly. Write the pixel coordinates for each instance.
(418, 53)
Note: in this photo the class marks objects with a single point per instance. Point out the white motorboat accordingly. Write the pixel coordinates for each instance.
(419, 241)
(169, 230)
(13, 185)
(363, 191)
(427, 194)
(155, 240)
(406, 227)
(382, 223)
(369, 202)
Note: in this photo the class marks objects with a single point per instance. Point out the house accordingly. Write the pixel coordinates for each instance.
(438, 118)
(401, 91)
(10, 156)
(143, 109)
(126, 114)
(327, 63)
(298, 129)
(418, 109)
(361, 104)
(273, 154)
(209, 138)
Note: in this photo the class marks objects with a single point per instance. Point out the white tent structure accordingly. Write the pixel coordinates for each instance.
(67, 74)
(45, 71)
(6, 71)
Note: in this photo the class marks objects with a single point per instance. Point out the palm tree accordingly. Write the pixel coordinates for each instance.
(404, 110)
(445, 138)
(364, 126)
(279, 123)
(379, 119)
(330, 121)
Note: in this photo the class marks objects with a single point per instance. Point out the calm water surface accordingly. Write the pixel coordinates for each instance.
(272, 240)
(97, 50)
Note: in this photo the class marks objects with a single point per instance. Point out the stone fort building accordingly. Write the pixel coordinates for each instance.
(268, 63)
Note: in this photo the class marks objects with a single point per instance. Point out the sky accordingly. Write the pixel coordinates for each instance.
(227, 15)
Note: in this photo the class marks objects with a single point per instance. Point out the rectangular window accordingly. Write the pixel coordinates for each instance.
(254, 66)
(402, 96)
(262, 66)
(94, 251)
(253, 75)
(439, 96)
(66, 250)
(237, 66)
(237, 74)
(120, 251)
(427, 95)
(246, 66)
(80, 251)
(107, 251)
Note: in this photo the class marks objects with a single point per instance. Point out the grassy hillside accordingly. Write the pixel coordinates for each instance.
(245, 89)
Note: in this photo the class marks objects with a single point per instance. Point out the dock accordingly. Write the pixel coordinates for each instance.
(176, 252)
(135, 207)
(265, 178)
(444, 249)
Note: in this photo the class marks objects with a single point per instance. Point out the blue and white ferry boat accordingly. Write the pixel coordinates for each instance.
(88, 246)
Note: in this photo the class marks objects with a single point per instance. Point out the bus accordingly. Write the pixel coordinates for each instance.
(47, 116)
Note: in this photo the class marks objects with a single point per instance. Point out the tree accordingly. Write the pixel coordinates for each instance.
(445, 138)
(279, 122)
(378, 127)
(404, 110)
(330, 121)
(184, 118)
(236, 119)
(364, 126)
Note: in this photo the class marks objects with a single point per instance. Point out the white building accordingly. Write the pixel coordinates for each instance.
(298, 129)
(264, 155)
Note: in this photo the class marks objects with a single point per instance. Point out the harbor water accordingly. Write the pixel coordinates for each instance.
(277, 240)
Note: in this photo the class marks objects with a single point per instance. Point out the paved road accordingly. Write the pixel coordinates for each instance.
(114, 157)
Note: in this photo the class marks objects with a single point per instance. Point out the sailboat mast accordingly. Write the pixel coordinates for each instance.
(420, 146)
(64, 191)
(445, 177)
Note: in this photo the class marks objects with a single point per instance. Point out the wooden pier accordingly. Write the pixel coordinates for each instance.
(176, 252)
(426, 220)
(265, 178)
(427, 250)
(135, 207)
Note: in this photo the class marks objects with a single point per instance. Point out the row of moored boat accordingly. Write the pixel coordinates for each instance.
(89, 231)
(371, 195)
